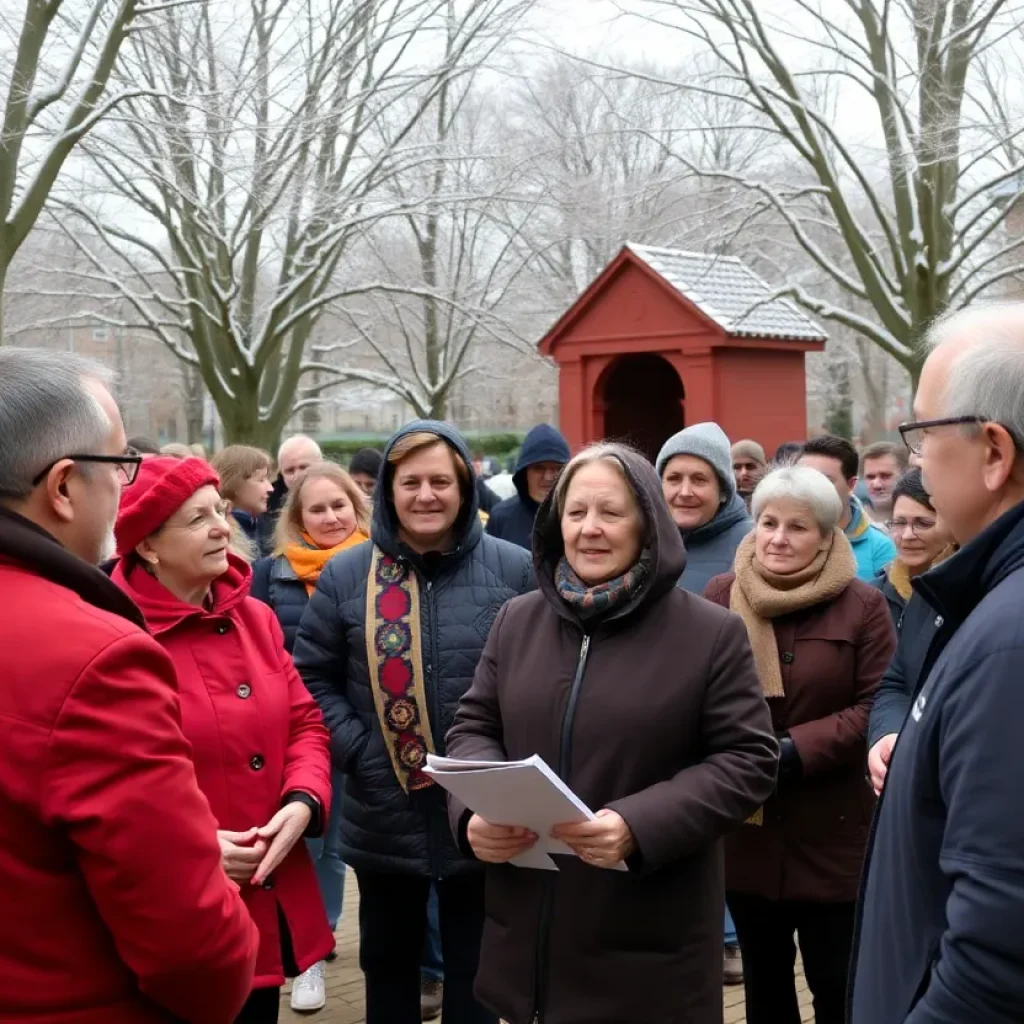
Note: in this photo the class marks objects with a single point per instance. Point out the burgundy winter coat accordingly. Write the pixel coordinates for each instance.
(657, 713)
(811, 843)
(114, 908)
(257, 736)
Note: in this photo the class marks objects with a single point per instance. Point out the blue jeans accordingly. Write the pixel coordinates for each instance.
(326, 854)
(431, 961)
(730, 930)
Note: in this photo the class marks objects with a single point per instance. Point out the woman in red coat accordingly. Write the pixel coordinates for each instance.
(258, 741)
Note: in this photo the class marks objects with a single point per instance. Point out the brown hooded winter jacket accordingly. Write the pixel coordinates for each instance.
(662, 719)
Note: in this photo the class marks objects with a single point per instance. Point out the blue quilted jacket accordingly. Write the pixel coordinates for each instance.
(383, 828)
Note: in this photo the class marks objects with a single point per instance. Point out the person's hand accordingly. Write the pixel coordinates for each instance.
(878, 761)
(602, 843)
(240, 853)
(283, 831)
(497, 844)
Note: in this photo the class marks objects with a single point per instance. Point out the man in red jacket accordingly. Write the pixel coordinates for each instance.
(114, 906)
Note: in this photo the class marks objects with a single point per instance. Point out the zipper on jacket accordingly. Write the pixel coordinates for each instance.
(547, 904)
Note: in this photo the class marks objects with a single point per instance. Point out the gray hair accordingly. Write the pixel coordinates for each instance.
(986, 379)
(294, 442)
(802, 486)
(603, 451)
(46, 413)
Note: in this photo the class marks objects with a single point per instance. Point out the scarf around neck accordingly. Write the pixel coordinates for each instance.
(592, 602)
(899, 575)
(308, 561)
(760, 595)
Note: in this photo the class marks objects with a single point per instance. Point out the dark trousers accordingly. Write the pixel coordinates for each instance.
(392, 926)
(765, 929)
(261, 1007)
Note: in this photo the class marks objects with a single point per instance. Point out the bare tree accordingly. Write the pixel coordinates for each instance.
(56, 69)
(261, 151)
(454, 266)
(886, 108)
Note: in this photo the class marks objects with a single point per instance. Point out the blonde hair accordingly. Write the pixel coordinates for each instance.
(235, 464)
(289, 524)
(177, 451)
(420, 441)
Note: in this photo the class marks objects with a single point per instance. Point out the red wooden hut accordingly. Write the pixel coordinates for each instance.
(664, 338)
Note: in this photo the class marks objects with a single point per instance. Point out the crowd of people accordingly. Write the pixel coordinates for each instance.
(788, 687)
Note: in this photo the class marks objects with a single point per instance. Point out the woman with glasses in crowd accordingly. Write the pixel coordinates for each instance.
(259, 745)
(922, 541)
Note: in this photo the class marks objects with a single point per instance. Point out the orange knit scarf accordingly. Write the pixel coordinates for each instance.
(308, 560)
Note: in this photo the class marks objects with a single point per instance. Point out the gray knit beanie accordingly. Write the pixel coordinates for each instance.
(708, 442)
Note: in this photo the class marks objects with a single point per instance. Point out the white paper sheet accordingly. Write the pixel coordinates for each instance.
(523, 793)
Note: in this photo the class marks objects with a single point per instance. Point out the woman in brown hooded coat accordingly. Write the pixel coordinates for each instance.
(821, 641)
(645, 701)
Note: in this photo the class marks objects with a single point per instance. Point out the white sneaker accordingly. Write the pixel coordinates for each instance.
(308, 991)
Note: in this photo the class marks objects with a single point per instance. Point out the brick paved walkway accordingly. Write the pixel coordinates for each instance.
(345, 982)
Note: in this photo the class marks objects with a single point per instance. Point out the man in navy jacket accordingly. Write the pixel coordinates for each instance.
(940, 937)
(541, 459)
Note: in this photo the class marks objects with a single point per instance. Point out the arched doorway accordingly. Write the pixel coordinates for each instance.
(642, 398)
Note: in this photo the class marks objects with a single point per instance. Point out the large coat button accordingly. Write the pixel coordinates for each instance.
(787, 657)
(244, 690)
(256, 762)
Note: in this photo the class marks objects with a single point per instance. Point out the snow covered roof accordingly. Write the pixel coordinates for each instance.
(730, 293)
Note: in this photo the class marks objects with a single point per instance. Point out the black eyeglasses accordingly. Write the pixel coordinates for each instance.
(913, 433)
(127, 464)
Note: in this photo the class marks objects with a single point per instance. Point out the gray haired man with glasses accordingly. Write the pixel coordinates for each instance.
(940, 936)
(115, 906)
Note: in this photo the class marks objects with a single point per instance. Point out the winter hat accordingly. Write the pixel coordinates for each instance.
(162, 486)
(749, 450)
(368, 461)
(708, 442)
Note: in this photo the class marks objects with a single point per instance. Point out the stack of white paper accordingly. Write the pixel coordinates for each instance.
(526, 793)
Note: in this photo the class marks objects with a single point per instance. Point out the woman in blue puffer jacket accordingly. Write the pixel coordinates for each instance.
(388, 646)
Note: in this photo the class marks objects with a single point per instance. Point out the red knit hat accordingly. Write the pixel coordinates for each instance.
(161, 488)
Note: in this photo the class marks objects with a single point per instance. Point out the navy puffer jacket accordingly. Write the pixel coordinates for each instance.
(274, 582)
(383, 828)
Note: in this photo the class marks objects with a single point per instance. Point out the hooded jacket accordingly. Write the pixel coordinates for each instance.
(512, 519)
(655, 712)
(258, 740)
(711, 548)
(939, 937)
(382, 828)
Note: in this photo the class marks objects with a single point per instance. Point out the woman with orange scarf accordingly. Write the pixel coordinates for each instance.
(326, 512)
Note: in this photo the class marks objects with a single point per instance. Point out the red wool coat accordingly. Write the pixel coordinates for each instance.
(256, 736)
(114, 908)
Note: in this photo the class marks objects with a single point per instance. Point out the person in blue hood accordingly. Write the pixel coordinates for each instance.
(541, 459)
(838, 460)
(388, 645)
(699, 486)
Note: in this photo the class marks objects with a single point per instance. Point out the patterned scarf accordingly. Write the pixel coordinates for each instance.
(308, 560)
(597, 601)
(760, 595)
(395, 661)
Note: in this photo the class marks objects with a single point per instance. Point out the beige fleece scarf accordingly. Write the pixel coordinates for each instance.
(759, 596)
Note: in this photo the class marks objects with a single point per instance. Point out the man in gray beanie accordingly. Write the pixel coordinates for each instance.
(697, 480)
